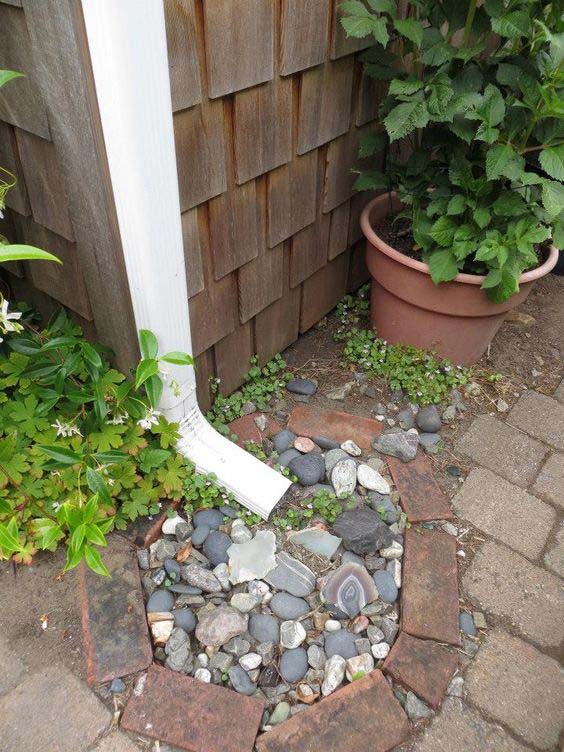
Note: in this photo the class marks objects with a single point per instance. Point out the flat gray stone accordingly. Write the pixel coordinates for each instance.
(301, 386)
(265, 628)
(293, 664)
(540, 416)
(116, 742)
(308, 468)
(283, 440)
(550, 482)
(505, 512)
(513, 683)
(216, 546)
(428, 419)
(253, 559)
(287, 456)
(554, 558)
(332, 457)
(503, 449)
(210, 517)
(316, 540)
(400, 444)
(287, 606)
(362, 530)
(51, 711)
(508, 585)
(160, 600)
(458, 728)
(291, 575)
(341, 643)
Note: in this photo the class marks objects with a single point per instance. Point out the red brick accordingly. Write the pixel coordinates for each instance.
(364, 715)
(422, 666)
(429, 601)
(116, 638)
(246, 429)
(192, 715)
(307, 421)
(420, 496)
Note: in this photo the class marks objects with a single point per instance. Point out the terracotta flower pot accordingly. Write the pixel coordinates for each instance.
(455, 319)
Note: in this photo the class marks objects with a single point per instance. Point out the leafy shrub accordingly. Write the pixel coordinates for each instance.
(82, 449)
(476, 96)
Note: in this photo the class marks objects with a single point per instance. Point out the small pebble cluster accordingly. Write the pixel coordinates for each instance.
(290, 616)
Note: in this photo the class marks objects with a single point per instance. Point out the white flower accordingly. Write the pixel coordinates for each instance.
(65, 429)
(151, 419)
(117, 420)
(7, 319)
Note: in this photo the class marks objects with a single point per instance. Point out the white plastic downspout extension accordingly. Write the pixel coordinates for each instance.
(127, 44)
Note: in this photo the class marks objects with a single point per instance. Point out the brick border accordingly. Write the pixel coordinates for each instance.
(429, 610)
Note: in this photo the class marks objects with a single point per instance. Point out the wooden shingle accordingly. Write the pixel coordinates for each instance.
(303, 35)
(64, 282)
(200, 153)
(342, 45)
(325, 103)
(183, 63)
(21, 103)
(323, 290)
(204, 368)
(232, 356)
(370, 95)
(16, 198)
(358, 202)
(339, 177)
(358, 271)
(192, 252)
(338, 234)
(263, 128)
(309, 249)
(292, 197)
(46, 187)
(236, 228)
(277, 326)
(239, 44)
(260, 281)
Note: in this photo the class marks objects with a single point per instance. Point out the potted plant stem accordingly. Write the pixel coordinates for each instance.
(471, 155)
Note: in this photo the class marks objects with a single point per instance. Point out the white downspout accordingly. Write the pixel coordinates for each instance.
(128, 51)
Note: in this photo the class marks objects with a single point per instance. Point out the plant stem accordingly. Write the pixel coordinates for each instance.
(469, 21)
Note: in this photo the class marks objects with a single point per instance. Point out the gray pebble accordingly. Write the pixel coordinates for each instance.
(287, 456)
(283, 440)
(325, 443)
(210, 517)
(387, 588)
(428, 419)
(161, 600)
(143, 558)
(301, 386)
(467, 623)
(293, 664)
(215, 547)
(185, 619)
(172, 567)
(308, 468)
(287, 606)
(341, 643)
(265, 628)
(241, 681)
(200, 534)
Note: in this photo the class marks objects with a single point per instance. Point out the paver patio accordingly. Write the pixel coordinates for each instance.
(513, 695)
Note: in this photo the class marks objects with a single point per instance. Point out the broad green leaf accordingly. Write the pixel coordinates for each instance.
(74, 557)
(383, 6)
(110, 457)
(492, 107)
(178, 358)
(150, 459)
(509, 204)
(56, 343)
(410, 29)
(456, 205)
(25, 253)
(94, 561)
(443, 230)
(405, 118)
(8, 75)
(91, 355)
(482, 217)
(512, 25)
(148, 344)
(442, 265)
(553, 197)
(9, 542)
(154, 389)
(97, 484)
(147, 367)
(77, 537)
(46, 532)
(440, 94)
(503, 161)
(552, 161)
(435, 50)
(61, 454)
(94, 535)
(371, 143)
(404, 88)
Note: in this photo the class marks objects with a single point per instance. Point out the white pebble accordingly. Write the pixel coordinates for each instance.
(203, 675)
(380, 650)
(393, 551)
(332, 625)
(351, 448)
(250, 661)
(292, 634)
(169, 525)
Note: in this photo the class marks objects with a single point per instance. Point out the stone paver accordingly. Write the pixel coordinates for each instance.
(458, 728)
(51, 711)
(505, 512)
(12, 669)
(420, 496)
(307, 421)
(363, 715)
(515, 684)
(422, 666)
(503, 449)
(429, 601)
(192, 715)
(550, 483)
(116, 638)
(559, 393)
(504, 583)
(116, 742)
(554, 557)
(540, 416)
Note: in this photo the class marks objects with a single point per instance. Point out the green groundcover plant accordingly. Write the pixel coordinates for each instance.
(475, 99)
(83, 449)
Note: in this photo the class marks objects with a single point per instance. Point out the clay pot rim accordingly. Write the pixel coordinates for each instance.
(468, 279)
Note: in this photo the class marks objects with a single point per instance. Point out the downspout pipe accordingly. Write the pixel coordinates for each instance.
(128, 52)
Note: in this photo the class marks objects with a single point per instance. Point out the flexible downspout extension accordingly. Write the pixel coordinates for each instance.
(128, 52)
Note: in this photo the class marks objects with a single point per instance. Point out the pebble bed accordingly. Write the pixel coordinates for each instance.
(289, 616)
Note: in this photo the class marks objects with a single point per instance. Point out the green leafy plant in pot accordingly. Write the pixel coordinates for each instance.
(471, 153)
